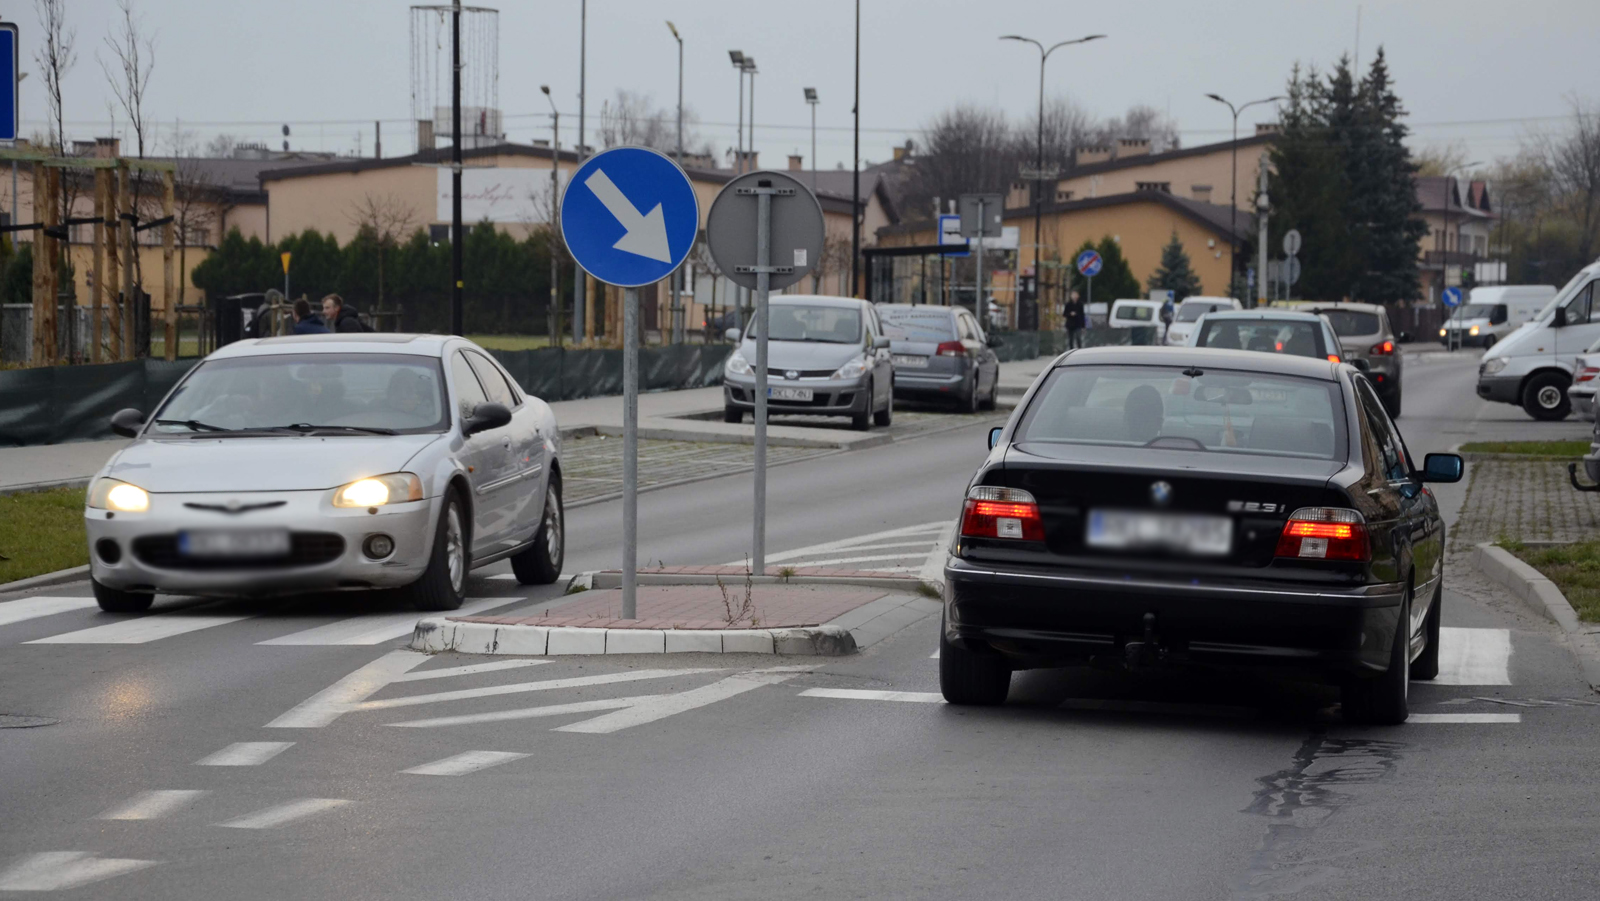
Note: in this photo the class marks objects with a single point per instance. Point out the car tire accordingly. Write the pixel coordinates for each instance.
(1488, 342)
(862, 421)
(989, 403)
(115, 600)
(967, 402)
(1426, 666)
(974, 680)
(443, 585)
(885, 417)
(1382, 701)
(1391, 404)
(732, 414)
(1545, 397)
(541, 563)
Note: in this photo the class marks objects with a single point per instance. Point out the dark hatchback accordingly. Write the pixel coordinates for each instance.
(1178, 505)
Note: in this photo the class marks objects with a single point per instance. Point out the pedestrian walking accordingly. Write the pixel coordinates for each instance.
(307, 322)
(341, 317)
(1075, 322)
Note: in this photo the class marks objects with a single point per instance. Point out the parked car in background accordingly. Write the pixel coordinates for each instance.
(1190, 311)
(941, 353)
(1365, 334)
(826, 356)
(1533, 366)
(1585, 380)
(1134, 314)
(1492, 313)
(329, 463)
(1291, 332)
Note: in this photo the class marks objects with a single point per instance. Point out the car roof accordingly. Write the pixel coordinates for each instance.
(1283, 315)
(917, 308)
(340, 343)
(1138, 300)
(1353, 307)
(1201, 358)
(825, 300)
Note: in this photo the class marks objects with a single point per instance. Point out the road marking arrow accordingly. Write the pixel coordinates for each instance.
(645, 234)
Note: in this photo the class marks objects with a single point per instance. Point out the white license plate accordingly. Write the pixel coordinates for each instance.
(1203, 535)
(789, 393)
(234, 543)
(910, 362)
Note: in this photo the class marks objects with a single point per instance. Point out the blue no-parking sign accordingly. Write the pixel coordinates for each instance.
(1089, 263)
(10, 74)
(1451, 297)
(629, 215)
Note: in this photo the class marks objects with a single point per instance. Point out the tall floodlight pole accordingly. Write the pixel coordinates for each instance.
(580, 279)
(457, 326)
(1233, 191)
(750, 145)
(1039, 179)
(737, 56)
(555, 217)
(811, 101)
(855, 177)
(676, 284)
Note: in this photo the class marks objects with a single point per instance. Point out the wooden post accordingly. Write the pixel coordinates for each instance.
(168, 296)
(112, 232)
(97, 291)
(130, 247)
(46, 350)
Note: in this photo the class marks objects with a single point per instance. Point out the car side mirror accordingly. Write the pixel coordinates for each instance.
(879, 342)
(1362, 365)
(127, 422)
(1403, 337)
(485, 417)
(732, 335)
(994, 341)
(1560, 318)
(1442, 468)
(994, 436)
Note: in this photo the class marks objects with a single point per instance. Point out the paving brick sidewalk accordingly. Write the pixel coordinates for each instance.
(701, 607)
(1525, 500)
(592, 466)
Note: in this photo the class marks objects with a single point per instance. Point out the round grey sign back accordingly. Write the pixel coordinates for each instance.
(796, 228)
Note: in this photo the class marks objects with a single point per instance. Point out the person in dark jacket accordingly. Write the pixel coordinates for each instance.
(1075, 322)
(341, 318)
(307, 322)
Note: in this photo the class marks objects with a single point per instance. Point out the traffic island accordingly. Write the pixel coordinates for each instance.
(703, 610)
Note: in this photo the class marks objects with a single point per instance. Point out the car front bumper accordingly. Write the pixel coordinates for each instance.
(1505, 389)
(1047, 617)
(327, 544)
(829, 397)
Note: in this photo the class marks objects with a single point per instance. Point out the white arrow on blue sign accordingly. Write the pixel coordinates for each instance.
(1451, 297)
(629, 216)
(1089, 263)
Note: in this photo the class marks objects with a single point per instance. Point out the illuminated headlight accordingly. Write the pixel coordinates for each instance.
(1441, 333)
(1473, 331)
(111, 494)
(738, 365)
(394, 488)
(1490, 367)
(853, 369)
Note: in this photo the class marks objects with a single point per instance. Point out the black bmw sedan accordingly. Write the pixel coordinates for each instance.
(1151, 505)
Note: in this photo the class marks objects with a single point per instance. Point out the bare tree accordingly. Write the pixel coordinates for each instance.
(1067, 126)
(968, 149)
(1441, 159)
(195, 200)
(55, 58)
(1573, 161)
(221, 146)
(388, 219)
(134, 58)
(633, 118)
(1140, 121)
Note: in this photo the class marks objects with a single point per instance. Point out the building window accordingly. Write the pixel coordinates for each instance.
(1063, 196)
(1163, 186)
(439, 234)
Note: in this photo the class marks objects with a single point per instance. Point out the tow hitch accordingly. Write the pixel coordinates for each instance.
(1145, 653)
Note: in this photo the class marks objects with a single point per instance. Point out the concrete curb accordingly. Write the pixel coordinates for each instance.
(435, 634)
(46, 486)
(59, 577)
(1543, 597)
(613, 579)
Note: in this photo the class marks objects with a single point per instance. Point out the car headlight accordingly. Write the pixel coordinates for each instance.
(1492, 366)
(113, 494)
(853, 369)
(738, 365)
(1441, 333)
(394, 488)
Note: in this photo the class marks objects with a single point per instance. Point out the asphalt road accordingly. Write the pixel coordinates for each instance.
(202, 763)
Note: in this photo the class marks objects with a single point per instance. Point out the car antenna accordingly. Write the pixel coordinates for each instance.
(1194, 372)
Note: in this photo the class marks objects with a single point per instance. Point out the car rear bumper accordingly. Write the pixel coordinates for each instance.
(912, 381)
(1505, 389)
(1041, 617)
(1583, 404)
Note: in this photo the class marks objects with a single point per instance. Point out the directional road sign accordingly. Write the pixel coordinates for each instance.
(1291, 241)
(731, 229)
(10, 75)
(991, 217)
(629, 216)
(950, 233)
(1089, 263)
(1451, 297)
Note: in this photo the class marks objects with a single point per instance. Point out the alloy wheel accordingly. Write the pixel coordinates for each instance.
(455, 549)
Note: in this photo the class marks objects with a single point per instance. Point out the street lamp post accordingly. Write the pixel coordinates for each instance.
(1233, 191)
(676, 284)
(1038, 187)
(737, 57)
(555, 216)
(855, 177)
(580, 281)
(750, 145)
(811, 100)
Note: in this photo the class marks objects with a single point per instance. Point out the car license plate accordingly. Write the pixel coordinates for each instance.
(1201, 535)
(789, 393)
(911, 361)
(234, 543)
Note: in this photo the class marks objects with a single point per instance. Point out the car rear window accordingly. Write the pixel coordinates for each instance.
(1352, 322)
(918, 325)
(1189, 312)
(1296, 338)
(1226, 411)
(1133, 313)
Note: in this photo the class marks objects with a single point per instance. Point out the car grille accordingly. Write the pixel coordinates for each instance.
(305, 549)
(802, 373)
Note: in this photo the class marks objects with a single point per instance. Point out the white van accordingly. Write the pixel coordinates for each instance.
(1532, 366)
(1491, 314)
(1135, 313)
(1191, 310)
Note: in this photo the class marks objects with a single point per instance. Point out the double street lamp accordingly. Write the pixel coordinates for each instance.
(1233, 192)
(555, 216)
(1039, 179)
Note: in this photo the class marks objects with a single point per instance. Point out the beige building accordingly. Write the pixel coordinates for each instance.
(1200, 173)
(1459, 226)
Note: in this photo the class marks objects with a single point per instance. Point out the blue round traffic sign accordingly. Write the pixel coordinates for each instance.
(629, 216)
(1451, 297)
(1089, 263)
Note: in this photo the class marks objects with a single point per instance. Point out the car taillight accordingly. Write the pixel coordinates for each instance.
(952, 349)
(1333, 358)
(994, 512)
(1325, 533)
(1586, 374)
(1383, 349)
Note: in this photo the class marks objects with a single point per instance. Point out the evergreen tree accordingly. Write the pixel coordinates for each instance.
(1175, 273)
(1116, 279)
(1384, 209)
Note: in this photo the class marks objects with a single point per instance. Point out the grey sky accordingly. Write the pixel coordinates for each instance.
(329, 67)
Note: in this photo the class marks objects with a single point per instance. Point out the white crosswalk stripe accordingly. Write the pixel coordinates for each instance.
(245, 753)
(35, 607)
(1474, 657)
(281, 814)
(909, 549)
(464, 763)
(151, 805)
(55, 870)
(862, 694)
(142, 629)
(1465, 718)
(368, 630)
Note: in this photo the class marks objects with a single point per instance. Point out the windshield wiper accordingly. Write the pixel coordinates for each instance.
(194, 425)
(308, 427)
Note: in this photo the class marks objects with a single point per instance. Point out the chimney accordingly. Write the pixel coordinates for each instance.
(107, 148)
(1088, 156)
(1127, 147)
(424, 135)
(795, 163)
(1266, 128)
(750, 158)
(1201, 193)
(905, 152)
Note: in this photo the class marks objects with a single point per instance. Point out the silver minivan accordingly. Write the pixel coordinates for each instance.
(826, 356)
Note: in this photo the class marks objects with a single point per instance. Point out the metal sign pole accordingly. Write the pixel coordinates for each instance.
(978, 306)
(630, 452)
(758, 538)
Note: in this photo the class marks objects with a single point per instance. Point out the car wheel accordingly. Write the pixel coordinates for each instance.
(863, 421)
(1383, 701)
(443, 585)
(989, 402)
(1488, 342)
(1545, 397)
(968, 401)
(1391, 404)
(732, 414)
(977, 680)
(1426, 666)
(115, 600)
(885, 417)
(540, 564)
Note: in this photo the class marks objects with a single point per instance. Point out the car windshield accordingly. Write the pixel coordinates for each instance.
(1133, 312)
(918, 325)
(1353, 322)
(813, 322)
(1294, 337)
(395, 392)
(1477, 311)
(1191, 312)
(1227, 411)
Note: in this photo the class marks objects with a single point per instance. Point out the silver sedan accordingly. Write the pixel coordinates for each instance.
(320, 462)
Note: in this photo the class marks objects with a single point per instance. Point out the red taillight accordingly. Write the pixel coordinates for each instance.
(1382, 350)
(1325, 533)
(1586, 374)
(993, 512)
(952, 349)
(1333, 358)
